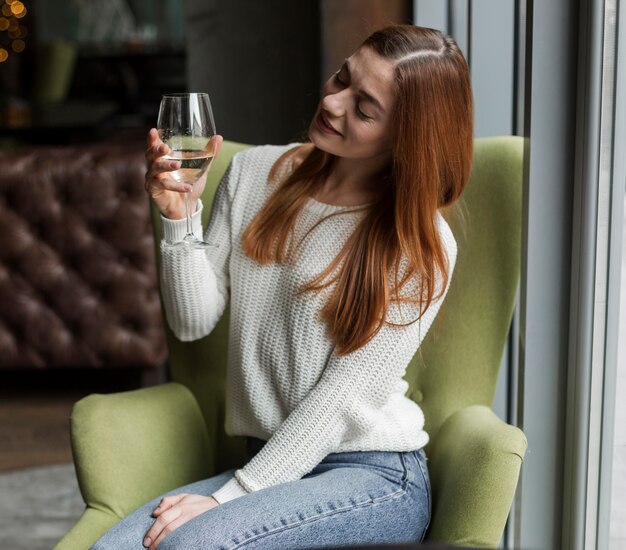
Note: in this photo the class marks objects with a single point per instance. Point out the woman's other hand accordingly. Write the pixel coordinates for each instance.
(165, 191)
(172, 512)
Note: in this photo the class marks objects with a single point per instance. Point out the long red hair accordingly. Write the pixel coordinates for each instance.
(432, 156)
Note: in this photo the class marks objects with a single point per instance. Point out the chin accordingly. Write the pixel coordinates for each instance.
(318, 140)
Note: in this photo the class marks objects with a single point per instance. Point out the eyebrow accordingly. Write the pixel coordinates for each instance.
(369, 97)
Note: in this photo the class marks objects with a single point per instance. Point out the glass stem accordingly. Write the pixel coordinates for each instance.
(188, 214)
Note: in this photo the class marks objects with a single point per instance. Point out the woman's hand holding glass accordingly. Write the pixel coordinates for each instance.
(168, 193)
(186, 127)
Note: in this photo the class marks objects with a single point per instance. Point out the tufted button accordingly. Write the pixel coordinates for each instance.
(130, 325)
(36, 230)
(418, 397)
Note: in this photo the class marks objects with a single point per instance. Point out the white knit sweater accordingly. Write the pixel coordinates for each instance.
(285, 384)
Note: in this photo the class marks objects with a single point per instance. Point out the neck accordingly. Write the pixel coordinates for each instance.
(354, 177)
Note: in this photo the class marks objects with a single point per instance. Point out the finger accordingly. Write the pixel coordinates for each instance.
(167, 530)
(164, 182)
(164, 519)
(218, 145)
(155, 143)
(215, 144)
(153, 135)
(156, 151)
(169, 501)
(163, 165)
(159, 170)
(152, 153)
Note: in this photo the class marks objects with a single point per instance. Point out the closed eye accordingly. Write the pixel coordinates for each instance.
(338, 80)
(359, 113)
(362, 114)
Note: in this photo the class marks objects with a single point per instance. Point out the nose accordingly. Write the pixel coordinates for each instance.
(334, 103)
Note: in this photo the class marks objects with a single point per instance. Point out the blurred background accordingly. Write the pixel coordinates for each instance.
(91, 70)
(80, 85)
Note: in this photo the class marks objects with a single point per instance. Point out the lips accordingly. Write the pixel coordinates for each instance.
(326, 126)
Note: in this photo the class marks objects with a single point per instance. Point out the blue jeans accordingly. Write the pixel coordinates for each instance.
(349, 498)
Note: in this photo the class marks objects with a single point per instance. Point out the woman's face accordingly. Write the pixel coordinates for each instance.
(353, 118)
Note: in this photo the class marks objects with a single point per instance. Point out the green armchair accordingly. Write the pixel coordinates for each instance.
(131, 446)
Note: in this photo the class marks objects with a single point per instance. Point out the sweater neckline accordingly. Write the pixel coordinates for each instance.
(325, 208)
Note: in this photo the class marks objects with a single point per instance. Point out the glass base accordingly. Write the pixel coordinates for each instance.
(190, 241)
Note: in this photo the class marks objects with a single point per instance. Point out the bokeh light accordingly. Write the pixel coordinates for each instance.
(17, 8)
(11, 12)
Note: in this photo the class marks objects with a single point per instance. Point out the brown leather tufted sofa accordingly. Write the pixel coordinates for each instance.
(78, 284)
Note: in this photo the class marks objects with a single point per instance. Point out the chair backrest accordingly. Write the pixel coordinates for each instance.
(461, 355)
(458, 362)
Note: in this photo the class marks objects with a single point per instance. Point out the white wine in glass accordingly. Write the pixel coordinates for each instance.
(186, 125)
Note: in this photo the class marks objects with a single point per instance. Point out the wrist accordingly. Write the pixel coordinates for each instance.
(177, 214)
(175, 229)
(174, 216)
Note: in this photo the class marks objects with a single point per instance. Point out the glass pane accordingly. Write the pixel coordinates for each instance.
(618, 489)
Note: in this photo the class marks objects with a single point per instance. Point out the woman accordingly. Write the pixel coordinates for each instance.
(336, 259)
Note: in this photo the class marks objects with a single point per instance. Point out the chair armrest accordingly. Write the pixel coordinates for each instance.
(130, 447)
(91, 525)
(474, 466)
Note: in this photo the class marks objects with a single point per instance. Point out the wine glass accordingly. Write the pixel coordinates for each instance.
(186, 125)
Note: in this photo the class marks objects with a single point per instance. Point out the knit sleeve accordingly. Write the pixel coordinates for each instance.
(195, 283)
(343, 403)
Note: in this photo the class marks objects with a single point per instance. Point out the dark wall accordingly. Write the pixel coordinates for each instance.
(260, 63)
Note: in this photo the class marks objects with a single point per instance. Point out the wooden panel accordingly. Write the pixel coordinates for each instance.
(34, 429)
(347, 23)
(35, 410)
